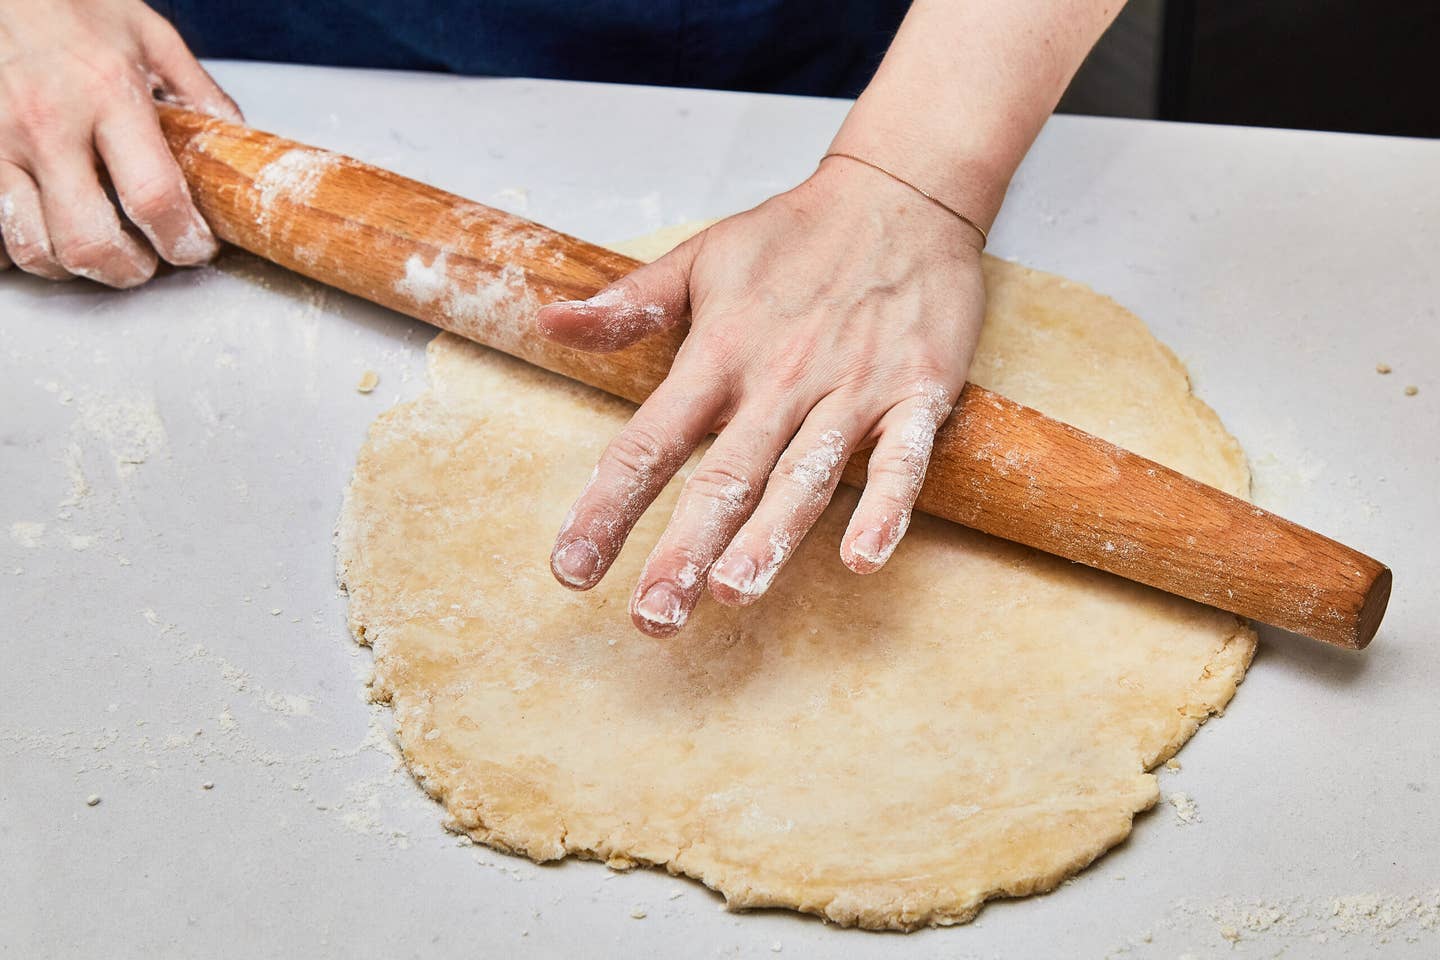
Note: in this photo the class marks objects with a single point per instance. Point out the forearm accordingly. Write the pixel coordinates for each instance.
(965, 88)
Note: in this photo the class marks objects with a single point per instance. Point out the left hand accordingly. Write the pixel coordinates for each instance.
(840, 314)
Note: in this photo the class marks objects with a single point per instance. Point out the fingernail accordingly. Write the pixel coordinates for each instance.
(735, 571)
(662, 605)
(576, 562)
(867, 547)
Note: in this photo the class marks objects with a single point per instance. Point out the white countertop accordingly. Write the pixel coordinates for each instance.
(172, 461)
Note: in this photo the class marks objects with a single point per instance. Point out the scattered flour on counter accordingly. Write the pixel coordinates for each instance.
(1186, 810)
(1335, 925)
(127, 422)
(75, 473)
(27, 533)
(511, 199)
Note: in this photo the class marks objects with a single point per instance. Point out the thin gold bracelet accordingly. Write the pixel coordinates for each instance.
(984, 237)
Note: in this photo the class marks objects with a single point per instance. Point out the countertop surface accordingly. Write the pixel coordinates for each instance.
(172, 462)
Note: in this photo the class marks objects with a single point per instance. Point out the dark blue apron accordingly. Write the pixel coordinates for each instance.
(781, 46)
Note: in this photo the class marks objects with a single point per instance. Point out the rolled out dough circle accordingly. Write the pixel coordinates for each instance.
(976, 720)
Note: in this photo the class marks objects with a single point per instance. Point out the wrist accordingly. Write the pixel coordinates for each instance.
(841, 188)
(968, 176)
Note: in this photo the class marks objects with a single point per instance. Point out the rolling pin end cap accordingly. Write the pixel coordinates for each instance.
(1372, 611)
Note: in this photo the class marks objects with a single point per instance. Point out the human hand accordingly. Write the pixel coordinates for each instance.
(840, 314)
(78, 80)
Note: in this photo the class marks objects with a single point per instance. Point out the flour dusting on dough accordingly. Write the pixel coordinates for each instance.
(985, 714)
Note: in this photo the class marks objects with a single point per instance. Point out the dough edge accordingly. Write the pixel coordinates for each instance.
(541, 834)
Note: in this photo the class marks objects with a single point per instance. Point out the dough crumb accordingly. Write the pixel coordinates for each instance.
(275, 612)
(1382, 368)
(1186, 810)
(1411, 390)
(208, 785)
(1172, 764)
(369, 380)
(92, 800)
(638, 913)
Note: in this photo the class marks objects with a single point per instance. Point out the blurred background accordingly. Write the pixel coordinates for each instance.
(1365, 66)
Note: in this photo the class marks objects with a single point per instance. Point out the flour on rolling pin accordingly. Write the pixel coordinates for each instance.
(998, 467)
(496, 310)
(293, 177)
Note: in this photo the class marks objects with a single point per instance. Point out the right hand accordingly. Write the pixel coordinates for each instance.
(78, 84)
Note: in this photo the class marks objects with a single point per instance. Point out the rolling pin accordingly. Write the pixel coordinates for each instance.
(482, 273)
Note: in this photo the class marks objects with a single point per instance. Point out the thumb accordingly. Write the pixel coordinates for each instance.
(652, 298)
(184, 82)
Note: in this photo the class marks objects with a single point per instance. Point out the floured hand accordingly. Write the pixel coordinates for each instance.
(77, 86)
(839, 315)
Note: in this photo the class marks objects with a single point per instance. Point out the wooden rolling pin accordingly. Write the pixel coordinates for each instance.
(482, 274)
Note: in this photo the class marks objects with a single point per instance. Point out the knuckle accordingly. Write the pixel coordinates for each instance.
(926, 372)
(154, 198)
(895, 478)
(710, 350)
(723, 479)
(791, 361)
(89, 252)
(789, 364)
(817, 469)
(110, 73)
(35, 117)
(640, 449)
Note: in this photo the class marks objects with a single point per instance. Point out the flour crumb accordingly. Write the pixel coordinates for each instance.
(776, 947)
(511, 199)
(1186, 810)
(27, 533)
(208, 785)
(676, 894)
(1411, 390)
(92, 800)
(1382, 368)
(638, 913)
(369, 380)
(1172, 764)
(275, 612)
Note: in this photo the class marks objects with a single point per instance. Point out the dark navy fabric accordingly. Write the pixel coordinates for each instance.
(782, 46)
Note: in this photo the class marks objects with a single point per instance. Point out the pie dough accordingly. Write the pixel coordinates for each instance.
(976, 720)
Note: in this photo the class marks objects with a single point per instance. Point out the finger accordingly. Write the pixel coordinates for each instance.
(85, 231)
(652, 298)
(182, 80)
(632, 471)
(894, 477)
(718, 496)
(22, 225)
(151, 189)
(797, 493)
